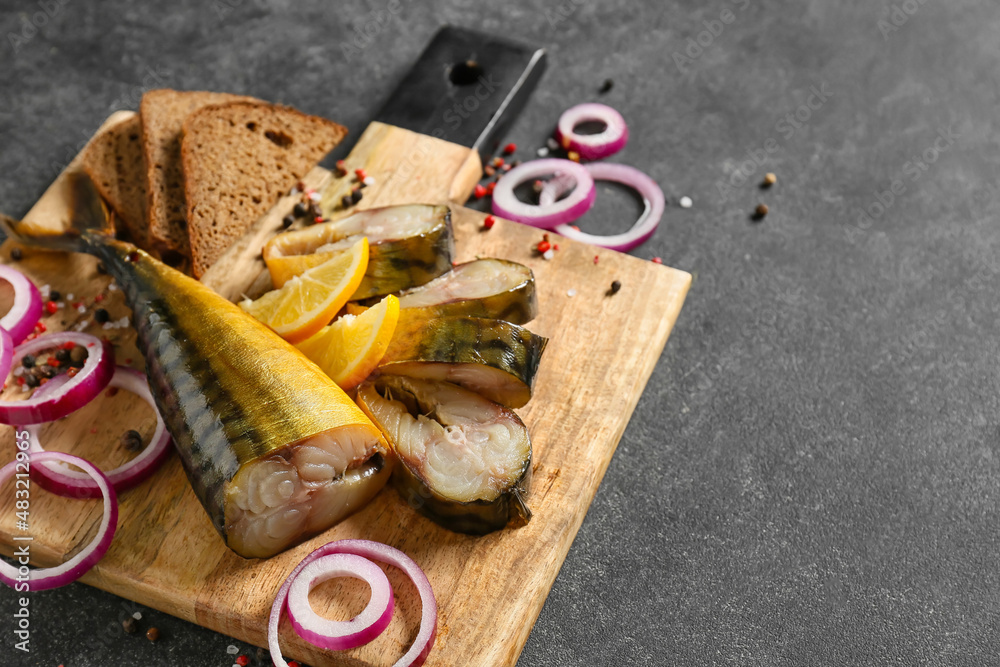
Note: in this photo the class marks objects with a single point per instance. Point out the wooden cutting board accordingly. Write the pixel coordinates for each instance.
(490, 590)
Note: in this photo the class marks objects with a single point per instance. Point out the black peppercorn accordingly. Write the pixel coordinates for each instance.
(346, 201)
(54, 295)
(152, 634)
(355, 196)
(129, 625)
(28, 361)
(132, 440)
(77, 356)
(16, 254)
(102, 316)
(31, 380)
(287, 221)
(46, 371)
(62, 355)
(607, 86)
(300, 210)
(615, 286)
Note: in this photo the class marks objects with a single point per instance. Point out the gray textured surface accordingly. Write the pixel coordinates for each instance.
(811, 475)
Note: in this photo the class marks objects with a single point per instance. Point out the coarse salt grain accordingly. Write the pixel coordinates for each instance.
(70, 297)
(315, 196)
(232, 650)
(81, 309)
(542, 152)
(369, 180)
(686, 202)
(552, 144)
(549, 254)
(571, 292)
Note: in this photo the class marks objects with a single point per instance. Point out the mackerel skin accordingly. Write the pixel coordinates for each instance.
(517, 302)
(398, 258)
(494, 358)
(229, 389)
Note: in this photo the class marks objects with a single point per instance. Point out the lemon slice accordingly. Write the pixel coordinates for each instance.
(283, 269)
(350, 348)
(307, 303)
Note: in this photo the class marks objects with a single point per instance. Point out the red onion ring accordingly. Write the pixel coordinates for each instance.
(79, 390)
(340, 635)
(6, 352)
(59, 478)
(507, 205)
(78, 565)
(22, 317)
(643, 228)
(592, 146)
(421, 646)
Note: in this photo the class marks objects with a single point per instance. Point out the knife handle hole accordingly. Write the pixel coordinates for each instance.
(465, 73)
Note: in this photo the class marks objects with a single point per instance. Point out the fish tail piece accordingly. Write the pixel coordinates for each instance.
(89, 223)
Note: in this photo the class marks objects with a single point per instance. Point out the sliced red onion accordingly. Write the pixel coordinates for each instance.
(6, 352)
(78, 565)
(59, 478)
(340, 635)
(79, 390)
(22, 317)
(507, 205)
(592, 146)
(374, 551)
(643, 228)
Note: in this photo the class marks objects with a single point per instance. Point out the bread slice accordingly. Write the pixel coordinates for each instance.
(239, 159)
(163, 113)
(114, 162)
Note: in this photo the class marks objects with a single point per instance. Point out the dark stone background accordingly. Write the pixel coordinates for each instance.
(811, 475)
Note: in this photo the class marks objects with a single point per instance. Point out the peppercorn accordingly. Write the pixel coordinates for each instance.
(360, 174)
(509, 148)
(62, 355)
(77, 356)
(101, 316)
(129, 625)
(31, 380)
(16, 254)
(489, 221)
(152, 634)
(346, 201)
(489, 170)
(243, 661)
(615, 286)
(543, 246)
(28, 361)
(46, 372)
(607, 86)
(300, 209)
(315, 211)
(356, 196)
(656, 260)
(100, 269)
(131, 440)
(760, 211)
(769, 179)
(479, 191)
(287, 221)
(51, 307)
(55, 295)
(133, 256)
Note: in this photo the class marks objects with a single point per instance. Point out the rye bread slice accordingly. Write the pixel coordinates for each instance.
(239, 159)
(163, 114)
(114, 162)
